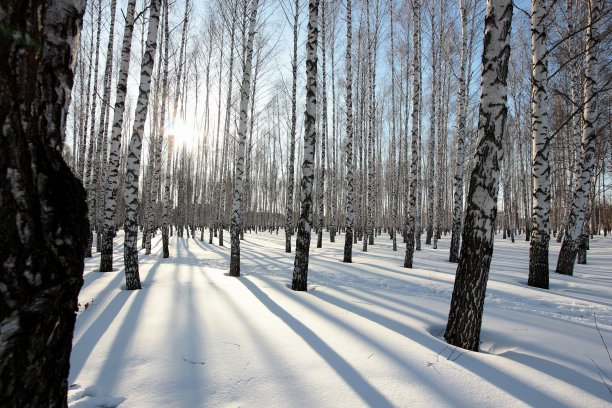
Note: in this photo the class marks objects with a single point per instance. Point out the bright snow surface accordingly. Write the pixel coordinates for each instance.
(365, 334)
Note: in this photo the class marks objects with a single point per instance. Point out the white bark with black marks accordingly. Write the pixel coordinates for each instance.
(465, 316)
(350, 209)
(541, 138)
(459, 158)
(245, 92)
(302, 246)
(580, 201)
(414, 155)
(130, 253)
(110, 201)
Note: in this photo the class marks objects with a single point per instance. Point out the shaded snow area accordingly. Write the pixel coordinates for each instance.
(365, 334)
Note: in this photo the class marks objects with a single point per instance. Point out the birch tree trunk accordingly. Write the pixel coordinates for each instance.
(465, 316)
(580, 202)
(245, 92)
(130, 253)
(458, 180)
(540, 226)
(291, 162)
(323, 131)
(432, 135)
(110, 206)
(350, 209)
(414, 156)
(44, 212)
(101, 156)
(394, 173)
(90, 177)
(302, 246)
(226, 136)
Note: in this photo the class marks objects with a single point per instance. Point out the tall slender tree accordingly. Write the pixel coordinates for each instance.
(540, 227)
(465, 315)
(394, 174)
(302, 246)
(130, 253)
(245, 92)
(291, 155)
(461, 103)
(414, 155)
(91, 171)
(580, 201)
(350, 209)
(323, 131)
(110, 202)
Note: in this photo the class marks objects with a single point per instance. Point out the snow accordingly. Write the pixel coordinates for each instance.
(365, 334)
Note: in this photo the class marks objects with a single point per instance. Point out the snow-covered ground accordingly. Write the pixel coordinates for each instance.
(365, 334)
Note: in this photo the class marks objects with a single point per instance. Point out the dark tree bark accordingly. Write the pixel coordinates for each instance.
(467, 303)
(42, 205)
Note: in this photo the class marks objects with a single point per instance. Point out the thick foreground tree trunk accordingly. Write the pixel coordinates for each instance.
(465, 316)
(43, 213)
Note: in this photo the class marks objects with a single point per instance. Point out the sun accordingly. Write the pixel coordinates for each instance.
(184, 133)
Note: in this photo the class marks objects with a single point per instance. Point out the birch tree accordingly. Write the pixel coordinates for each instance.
(394, 174)
(302, 246)
(580, 202)
(245, 92)
(458, 179)
(414, 155)
(44, 212)
(465, 316)
(350, 209)
(291, 155)
(323, 131)
(90, 177)
(540, 227)
(130, 253)
(110, 202)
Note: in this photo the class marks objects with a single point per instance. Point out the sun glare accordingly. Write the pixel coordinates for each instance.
(184, 134)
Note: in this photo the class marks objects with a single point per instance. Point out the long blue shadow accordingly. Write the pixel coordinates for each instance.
(363, 388)
(99, 327)
(527, 394)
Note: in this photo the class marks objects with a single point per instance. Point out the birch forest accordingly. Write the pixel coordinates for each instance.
(442, 125)
(386, 150)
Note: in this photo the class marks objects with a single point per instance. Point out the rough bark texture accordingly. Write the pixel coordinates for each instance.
(350, 209)
(414, 156)
(302, 245)
(130, 253)
(540, 227)
(580, 202)
(465, 316)
(458, 182)
(395, 178)
(245, 92)
(291, 163)
(42, 205)
(324, 133)
(110, 206)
